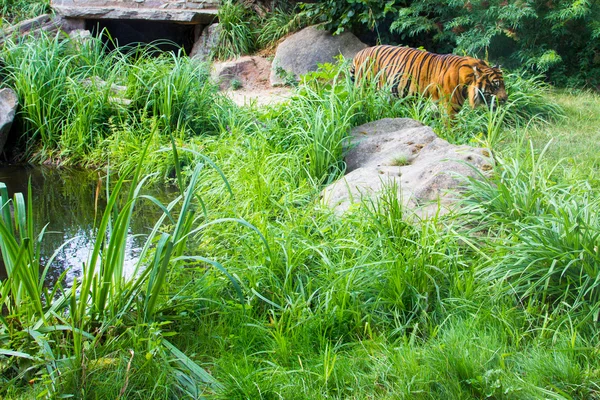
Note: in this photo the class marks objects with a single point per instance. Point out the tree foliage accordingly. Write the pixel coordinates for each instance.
(555, 37)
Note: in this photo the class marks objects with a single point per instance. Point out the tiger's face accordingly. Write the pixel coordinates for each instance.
(488, 86)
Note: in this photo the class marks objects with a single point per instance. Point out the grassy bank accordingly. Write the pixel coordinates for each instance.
(253, 281)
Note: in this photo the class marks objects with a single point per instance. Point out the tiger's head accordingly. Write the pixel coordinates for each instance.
(487, 86)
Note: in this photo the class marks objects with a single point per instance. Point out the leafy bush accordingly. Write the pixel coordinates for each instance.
(341, 15)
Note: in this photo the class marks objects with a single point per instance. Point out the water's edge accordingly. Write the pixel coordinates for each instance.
(71, 202)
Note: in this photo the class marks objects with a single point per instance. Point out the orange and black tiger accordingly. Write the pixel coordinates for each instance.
(446, 77)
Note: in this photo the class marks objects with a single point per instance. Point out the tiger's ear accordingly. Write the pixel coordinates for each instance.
(497, 66)
(476, 72)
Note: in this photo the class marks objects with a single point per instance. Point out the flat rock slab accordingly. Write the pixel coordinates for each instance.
(8, 107)
(184, 11)
(42, 23)
(426, 170)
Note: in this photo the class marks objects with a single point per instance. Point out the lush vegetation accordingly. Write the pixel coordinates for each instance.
(248, 288)
(12, 11)
(559, 38)
(243, 31)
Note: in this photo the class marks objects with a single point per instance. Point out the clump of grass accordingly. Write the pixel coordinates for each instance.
(236, 84)
(175, 89)
(550, 253)
(14, 11)
(400, 160)
(278, 24)
(69, 103)
(38, 71)
(236, 33)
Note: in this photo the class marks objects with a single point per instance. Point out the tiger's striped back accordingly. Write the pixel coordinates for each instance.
(448, 77)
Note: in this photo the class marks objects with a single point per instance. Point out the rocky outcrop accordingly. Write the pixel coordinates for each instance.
(250, 72)
(206, 42)
(8, 107)
(190, 11)
(402, 152)
(45, 23)
(303, 51)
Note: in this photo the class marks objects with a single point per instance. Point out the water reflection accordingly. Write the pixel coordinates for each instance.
(71, 202)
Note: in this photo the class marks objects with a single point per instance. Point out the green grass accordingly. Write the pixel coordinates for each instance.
(499, 300)
(573, 141)
(70, 107)
(14, 11)
(278, 24)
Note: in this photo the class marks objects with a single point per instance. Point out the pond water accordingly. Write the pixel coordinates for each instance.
(71, 202)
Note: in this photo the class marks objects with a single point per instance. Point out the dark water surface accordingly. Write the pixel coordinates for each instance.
(71, 202)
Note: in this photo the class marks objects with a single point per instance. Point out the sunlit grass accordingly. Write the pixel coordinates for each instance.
(574, 141)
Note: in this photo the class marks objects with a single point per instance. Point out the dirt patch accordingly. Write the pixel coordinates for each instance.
(259, 97)
(246, 81)
(248, 72)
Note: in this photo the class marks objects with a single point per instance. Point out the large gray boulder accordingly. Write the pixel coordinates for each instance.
(304, 50)
(426, 169)
(8, 107)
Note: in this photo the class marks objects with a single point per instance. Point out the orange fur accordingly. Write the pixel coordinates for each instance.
(445, 77)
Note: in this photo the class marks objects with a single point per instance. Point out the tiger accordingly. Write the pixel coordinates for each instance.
(445, 77)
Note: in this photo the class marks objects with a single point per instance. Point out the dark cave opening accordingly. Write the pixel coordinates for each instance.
(166, 36)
